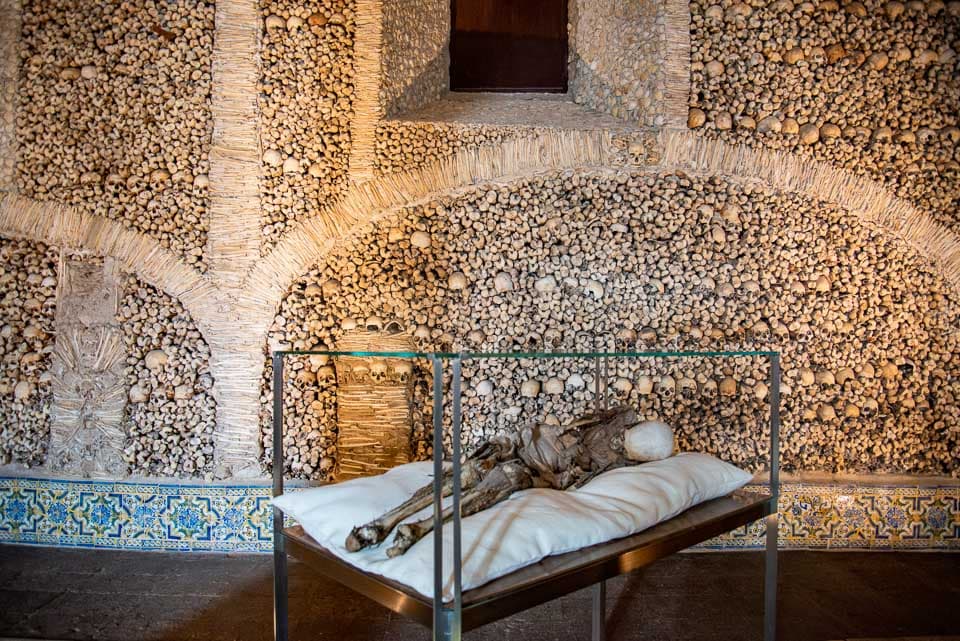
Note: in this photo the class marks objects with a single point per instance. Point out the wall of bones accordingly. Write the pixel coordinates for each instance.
(867, 86)
(649, 260)
(305, 103)
(185, 186)
(113, 114)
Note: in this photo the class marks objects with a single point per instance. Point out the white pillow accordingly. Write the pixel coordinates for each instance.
(520, 531)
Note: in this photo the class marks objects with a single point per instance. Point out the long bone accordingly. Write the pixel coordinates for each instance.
(502, 481)
(474, 469)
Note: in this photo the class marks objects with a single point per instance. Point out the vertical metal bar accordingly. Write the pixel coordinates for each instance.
(280, 618)
(457, 561)
(439, 622)
(604, 377)
(772, 521)
(278, 461)
(596, 383)
(598, 629)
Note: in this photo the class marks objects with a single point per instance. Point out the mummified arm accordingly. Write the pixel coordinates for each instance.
(502, 481)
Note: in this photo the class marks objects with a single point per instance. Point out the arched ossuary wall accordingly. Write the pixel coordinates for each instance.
(865, 325)
(185, 187)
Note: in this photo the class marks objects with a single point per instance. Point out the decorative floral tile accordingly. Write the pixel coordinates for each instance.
(239, 518)
(851, 517)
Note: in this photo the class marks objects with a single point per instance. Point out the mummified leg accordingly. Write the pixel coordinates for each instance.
(375, 531)
(472, 473)
(502, 481)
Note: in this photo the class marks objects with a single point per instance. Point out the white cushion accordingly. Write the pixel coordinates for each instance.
(520, 531)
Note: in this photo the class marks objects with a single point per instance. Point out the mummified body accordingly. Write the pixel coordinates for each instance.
(541, 455)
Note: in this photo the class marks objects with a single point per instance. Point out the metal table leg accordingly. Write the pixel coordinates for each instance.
(280, 617)
(770, 575)
(280, 628)
(770, 581)
(598, 631)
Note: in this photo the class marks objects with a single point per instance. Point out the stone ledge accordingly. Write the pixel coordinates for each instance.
(522, 110)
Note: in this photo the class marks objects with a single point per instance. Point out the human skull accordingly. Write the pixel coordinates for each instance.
(906, 368)
(626, 338)
(306, 377)
(575, 381)
(330, 287)
(421, 336)
(378, 371)
(649, 441)
(644, 385)
(553, 386)
(530, 388)
(728, 386)
(706, 285)
(374, 324)
(710, 388)
(761, 331)
(326, 375)
(404, 370)
(622, 386)
(553, 337)
(687, 387)
(667, 386)
(393, 327)
(843, 375)
(348, 324)
(870, 408)
(360, 373)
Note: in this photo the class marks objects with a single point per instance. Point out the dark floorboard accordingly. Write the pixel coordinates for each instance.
(79, 595)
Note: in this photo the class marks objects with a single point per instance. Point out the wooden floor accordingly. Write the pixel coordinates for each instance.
(74, 595)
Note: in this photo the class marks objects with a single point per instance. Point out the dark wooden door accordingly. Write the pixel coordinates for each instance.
(508, 45)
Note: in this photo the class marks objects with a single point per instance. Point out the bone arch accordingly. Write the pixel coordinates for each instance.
(515, 159)
(64, 226)
(374, 234)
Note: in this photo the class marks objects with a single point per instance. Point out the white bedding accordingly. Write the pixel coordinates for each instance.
(520, 531)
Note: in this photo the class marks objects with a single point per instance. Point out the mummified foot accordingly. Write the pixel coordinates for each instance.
(364, 536)
(407, 535)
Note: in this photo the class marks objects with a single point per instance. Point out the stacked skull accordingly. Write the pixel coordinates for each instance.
(870, 87)
(171, 410)
(28, 282)
(305, 104)
(114, 113)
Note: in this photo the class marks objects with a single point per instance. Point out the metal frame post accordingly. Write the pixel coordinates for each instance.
(440, 622)
(455, 629)
(772, 520)
(598, 622)
(280, 612)
(598, 627)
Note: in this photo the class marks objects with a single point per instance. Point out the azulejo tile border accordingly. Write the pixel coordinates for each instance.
(157, 516)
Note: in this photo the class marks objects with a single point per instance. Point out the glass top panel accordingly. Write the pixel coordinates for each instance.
(523, 355)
